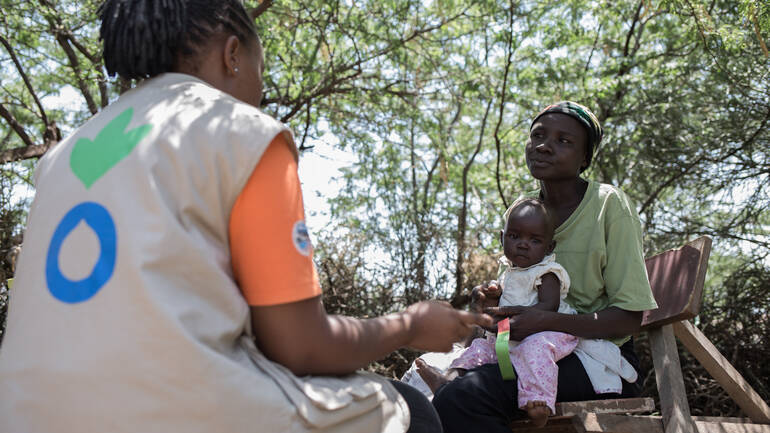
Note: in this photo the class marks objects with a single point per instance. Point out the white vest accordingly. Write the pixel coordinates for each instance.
(124, 315)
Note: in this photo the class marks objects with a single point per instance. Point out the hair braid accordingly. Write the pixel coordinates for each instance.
(144, 38)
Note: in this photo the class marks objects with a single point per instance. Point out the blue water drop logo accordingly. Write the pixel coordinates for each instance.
(100, 221)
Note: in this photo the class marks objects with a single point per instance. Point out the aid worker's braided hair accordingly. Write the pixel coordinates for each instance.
(144, 38)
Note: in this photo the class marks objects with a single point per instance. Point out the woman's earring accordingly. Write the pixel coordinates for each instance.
(235, 70)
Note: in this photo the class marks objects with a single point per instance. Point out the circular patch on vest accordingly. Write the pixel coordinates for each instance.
(100, 221)
(301, 238)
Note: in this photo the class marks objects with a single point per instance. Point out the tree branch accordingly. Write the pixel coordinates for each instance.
(462, 218)
(750, 140)
(329, 87)
(503, 92)
(24, 77)
(22, 153)
(302, 146)
(97, 63)
(630, 34)
(83, 50)
(759, 35)
(591, 54)
(75, 65)
(15, 125)
(63, 37)
(259, 10)
(625, 67)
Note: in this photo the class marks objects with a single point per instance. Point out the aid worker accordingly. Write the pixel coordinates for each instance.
(166, 281)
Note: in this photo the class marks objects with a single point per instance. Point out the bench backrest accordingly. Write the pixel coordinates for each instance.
(677, 278)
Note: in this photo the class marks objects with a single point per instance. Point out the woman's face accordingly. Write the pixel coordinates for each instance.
(556, 148)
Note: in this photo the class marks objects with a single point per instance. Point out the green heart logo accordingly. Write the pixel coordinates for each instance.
(91, 159)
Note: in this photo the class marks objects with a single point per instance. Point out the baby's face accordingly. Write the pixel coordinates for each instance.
(526, 238)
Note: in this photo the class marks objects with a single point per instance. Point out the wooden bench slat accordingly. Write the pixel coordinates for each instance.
(730, 427)
(720, 369)
(677, 277)
(557, 425)
(668, 375)
(620, 405)
(730, 419)
(561, 422)
(610, 423)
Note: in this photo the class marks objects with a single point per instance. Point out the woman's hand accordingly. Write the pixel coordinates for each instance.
(611, 322)
(485, 296)
(524, 321)
(435, 325)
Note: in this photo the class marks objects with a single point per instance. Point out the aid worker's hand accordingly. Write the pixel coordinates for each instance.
(435, 325)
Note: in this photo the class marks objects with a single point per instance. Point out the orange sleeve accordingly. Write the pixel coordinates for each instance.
(269, 244)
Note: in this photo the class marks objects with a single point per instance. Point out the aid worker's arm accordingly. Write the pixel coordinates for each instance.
(272, 262)
(301, 336)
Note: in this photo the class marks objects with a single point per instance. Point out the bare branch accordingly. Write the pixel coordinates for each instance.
(759, 35)
(630, 34)
(83, 50)
(625, 65)
(750, 140)
(64, 37)
(326, 90)
(302, 146)
(591, 54)
(503, 93)
(353, 69)
(97, 62)
(75, 65)
(22, 153)
(462, 222)
(15, 125)
(259, 10)
(24, 77)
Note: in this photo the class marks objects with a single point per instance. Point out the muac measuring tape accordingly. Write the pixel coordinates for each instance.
(501, 348)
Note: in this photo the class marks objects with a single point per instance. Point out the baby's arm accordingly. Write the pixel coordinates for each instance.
(548, 293)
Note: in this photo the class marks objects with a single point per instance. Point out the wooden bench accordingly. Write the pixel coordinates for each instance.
(677, 278)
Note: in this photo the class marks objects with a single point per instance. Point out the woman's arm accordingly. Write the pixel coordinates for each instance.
(302, 337)
(612, 322)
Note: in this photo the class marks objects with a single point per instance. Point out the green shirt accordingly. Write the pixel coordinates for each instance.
(600, 246)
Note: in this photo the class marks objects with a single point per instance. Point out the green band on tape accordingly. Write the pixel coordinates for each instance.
(501, 348)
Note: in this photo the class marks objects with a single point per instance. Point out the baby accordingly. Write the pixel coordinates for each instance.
(531, 278)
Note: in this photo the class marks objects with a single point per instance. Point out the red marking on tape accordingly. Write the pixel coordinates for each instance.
(504, 325)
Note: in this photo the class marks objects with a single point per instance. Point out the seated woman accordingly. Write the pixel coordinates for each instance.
(599, 243)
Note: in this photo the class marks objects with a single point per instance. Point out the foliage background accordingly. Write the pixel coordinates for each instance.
(433, 100)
